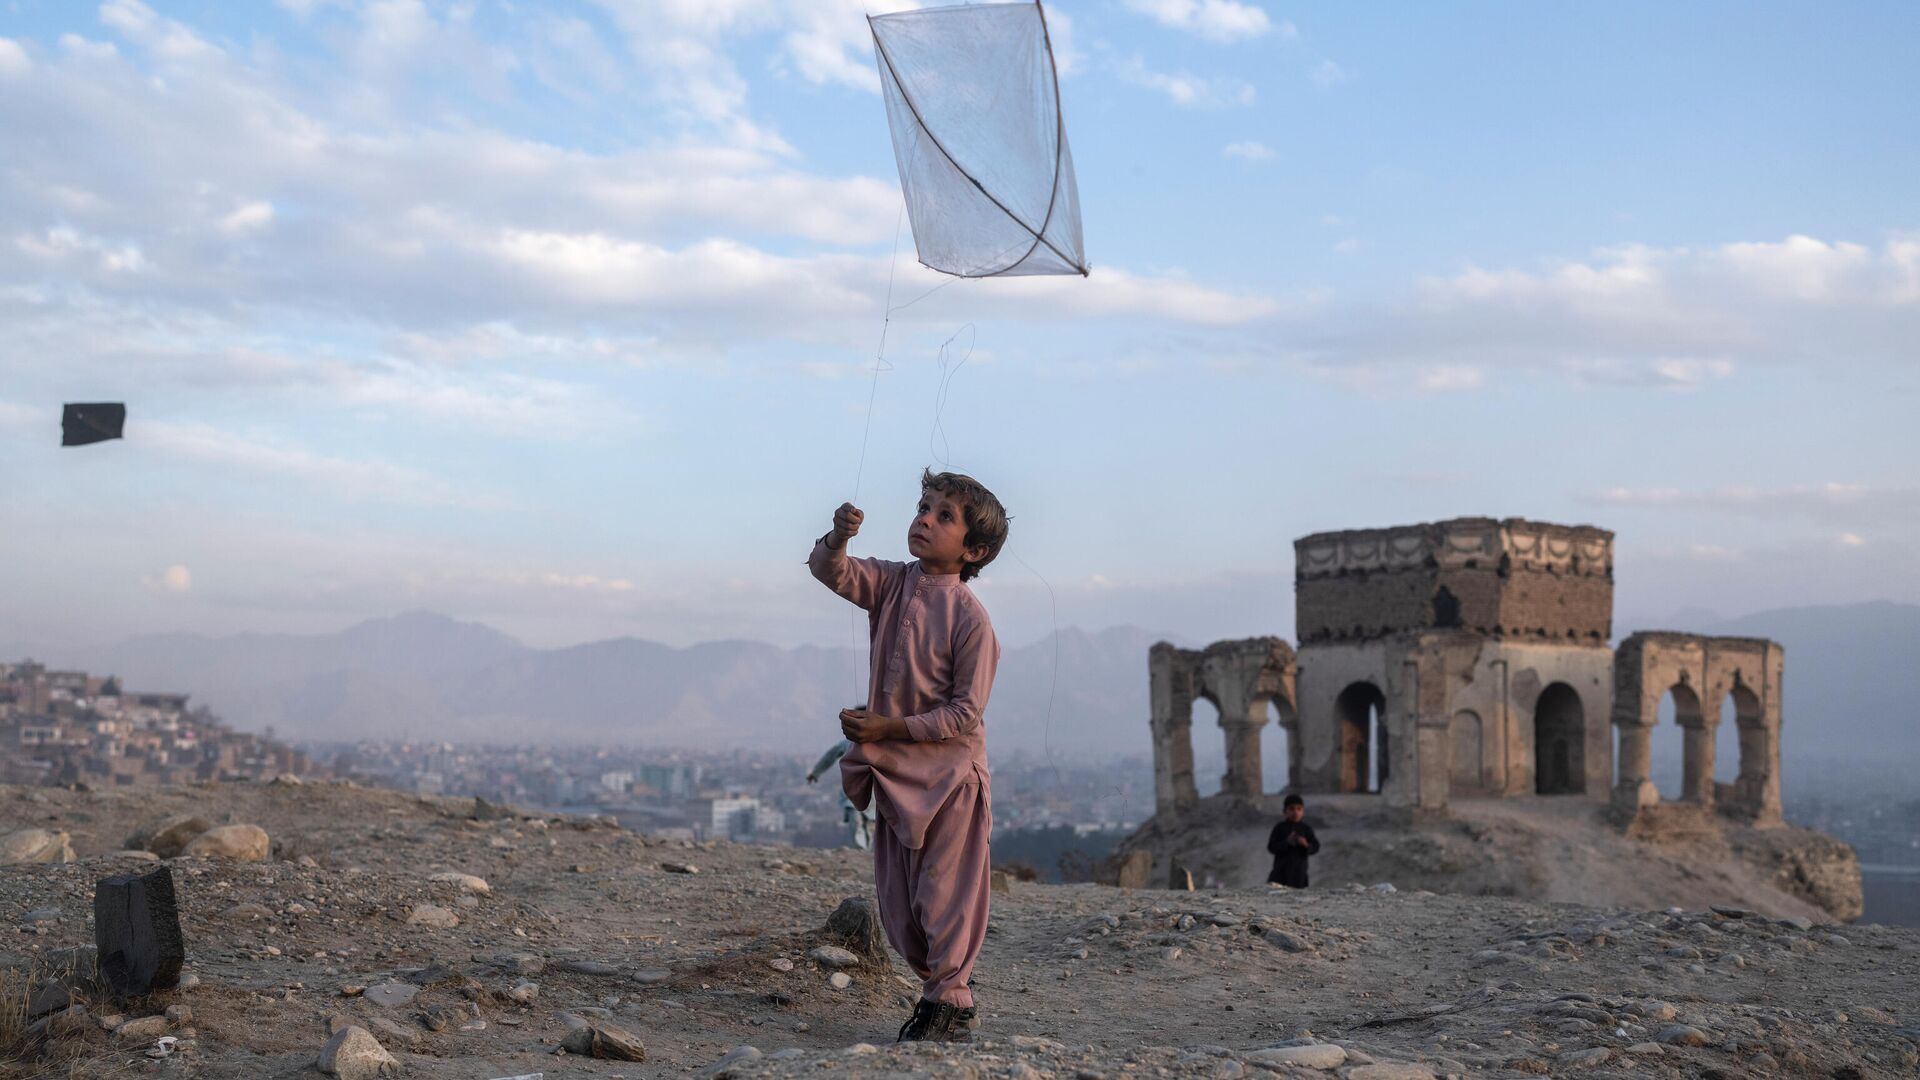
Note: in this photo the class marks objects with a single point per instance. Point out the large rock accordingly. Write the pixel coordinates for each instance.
(354, 1054)
(169, 837)
(467, 882)
(856, 925)
(35, 846)
(1136, 870)
(136, 928)
(245, 843)
(600, 1039)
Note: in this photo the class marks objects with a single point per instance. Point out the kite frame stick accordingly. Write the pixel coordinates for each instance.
(1059, 145)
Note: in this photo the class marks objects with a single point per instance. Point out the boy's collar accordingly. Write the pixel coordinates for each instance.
(934, 579)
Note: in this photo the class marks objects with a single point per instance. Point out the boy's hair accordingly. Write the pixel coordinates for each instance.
(986, 518)
(1294, 800)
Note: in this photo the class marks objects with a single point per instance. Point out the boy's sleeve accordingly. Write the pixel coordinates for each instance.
(1273, 840)
(974, 660)
(1313, 839)
(858, 580)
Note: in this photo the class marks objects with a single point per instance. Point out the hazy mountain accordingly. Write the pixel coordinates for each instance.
(1851, 685)
(1852, 681)
(422, 675)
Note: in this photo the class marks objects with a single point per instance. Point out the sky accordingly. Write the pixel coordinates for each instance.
(564, 317)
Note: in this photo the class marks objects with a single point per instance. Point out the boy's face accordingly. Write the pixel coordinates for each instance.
(1296, 812)
(938, 535)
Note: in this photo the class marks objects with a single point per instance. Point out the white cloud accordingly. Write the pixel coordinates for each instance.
(174, 579)
(1446, 378)
(247, 218)
(1327, 73)
(1187, 91)
(278, 460)
(1857, 507)
(1248, 151)
(1212, 20)
(14, 61)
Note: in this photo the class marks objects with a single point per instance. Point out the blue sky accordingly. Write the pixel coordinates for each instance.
(562, 316)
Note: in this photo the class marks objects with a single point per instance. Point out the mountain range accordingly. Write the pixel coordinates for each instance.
(1852, 685)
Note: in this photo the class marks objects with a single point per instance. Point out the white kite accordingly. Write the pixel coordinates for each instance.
(973, 100)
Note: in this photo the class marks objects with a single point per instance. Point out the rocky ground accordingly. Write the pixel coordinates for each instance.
(464, 941)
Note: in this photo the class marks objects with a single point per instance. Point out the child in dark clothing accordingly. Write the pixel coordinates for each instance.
(1291, 843)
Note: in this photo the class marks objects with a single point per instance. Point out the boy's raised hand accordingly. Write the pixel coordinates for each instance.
(846, 524)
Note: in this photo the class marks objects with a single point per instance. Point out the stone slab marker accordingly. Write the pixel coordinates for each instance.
(136, 924)
(1136, 869)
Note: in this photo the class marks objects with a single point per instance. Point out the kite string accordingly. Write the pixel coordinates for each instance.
(866, 430)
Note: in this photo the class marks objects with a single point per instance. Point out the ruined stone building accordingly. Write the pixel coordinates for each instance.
(1471, 659)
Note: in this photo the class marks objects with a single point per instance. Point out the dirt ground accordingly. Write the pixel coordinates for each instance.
(1075, 981)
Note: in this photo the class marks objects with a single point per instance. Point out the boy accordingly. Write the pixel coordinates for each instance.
(1291, 844)
(920, 752)
(859, 822)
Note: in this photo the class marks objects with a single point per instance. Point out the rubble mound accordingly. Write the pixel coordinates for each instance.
(1553, 849)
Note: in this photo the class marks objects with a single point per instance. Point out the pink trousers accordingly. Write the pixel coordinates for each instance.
(933, 902)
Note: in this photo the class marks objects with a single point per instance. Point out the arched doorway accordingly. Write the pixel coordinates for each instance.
(1209, 747)
(1742, 707)
(1468, 750)
(1361, 712)
(1279, 750)
(1559, 742)
(1678, 745)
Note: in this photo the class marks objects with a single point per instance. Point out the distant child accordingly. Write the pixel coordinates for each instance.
(920, 750)
(1291, 844)
(859, 822)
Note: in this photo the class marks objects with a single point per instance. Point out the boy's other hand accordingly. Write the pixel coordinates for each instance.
(846, 524)
(865, 726)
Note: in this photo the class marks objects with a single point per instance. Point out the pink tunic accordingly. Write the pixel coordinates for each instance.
(934, 656)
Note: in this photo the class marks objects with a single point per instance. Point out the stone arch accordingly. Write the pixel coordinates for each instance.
(1281, 773)
(1467, 742)
(1759, 753)
(1239, 678)
(1697, 671)
(1360, 717)
(1559, 742)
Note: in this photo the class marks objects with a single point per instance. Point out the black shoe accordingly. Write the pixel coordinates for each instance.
(965, 1022)
(931, 1022)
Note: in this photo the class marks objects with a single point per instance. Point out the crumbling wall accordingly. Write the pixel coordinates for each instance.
(1239, 678)
(1701, 672)
(1510, 578)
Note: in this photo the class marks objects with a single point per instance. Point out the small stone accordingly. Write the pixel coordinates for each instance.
(1389, 1070)
(390, 995)
(467, 882)
(442, 1017)
(1584, 1059)
(179, 1014)
(1171, 952)
(433, 917)
(1683, 1035)
(142, 1029)
(734, 1058)
(1646, 1049)
(1385, 888)
(679, 868)
(856, 925)
(1315, 1056)
(354, 1054)
(586, 967)
(524, 992)
(833, 956)
(1798, 922)
(781, 964)
(1867, 1014)
(243, 843)
(1287, 942)
(839, 980)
